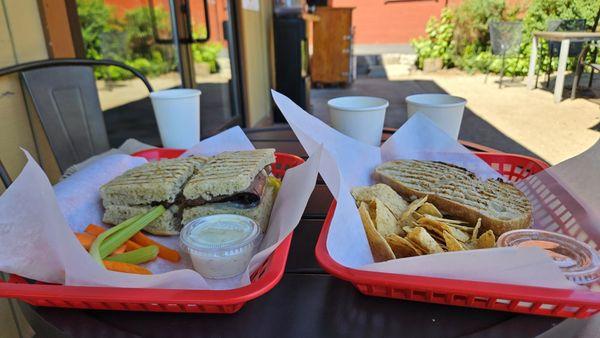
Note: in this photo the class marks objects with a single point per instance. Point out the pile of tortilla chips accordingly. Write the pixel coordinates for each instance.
(396, 229)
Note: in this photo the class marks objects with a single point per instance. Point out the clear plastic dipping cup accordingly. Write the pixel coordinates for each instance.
(446, 111)
(177, 113)
(360, 117)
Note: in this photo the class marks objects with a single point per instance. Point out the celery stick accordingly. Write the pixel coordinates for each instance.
(125, 233)
(95, 248)
(136, 256)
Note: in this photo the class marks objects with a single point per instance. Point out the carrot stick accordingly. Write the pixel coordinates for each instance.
(119, 250)
(85, 239)
(126, 267)
(163, 252)
(96, 230)
(131, 245)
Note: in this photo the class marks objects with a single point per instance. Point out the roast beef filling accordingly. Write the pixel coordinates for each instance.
(248, 198)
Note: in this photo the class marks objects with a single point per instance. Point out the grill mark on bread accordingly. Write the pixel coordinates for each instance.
(228, 173)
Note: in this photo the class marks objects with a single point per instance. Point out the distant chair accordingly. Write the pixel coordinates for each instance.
(506, 38)
(582, 61)
(560, 25)
(63, 94)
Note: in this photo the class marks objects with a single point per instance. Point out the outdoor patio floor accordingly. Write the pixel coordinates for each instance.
(512, 119)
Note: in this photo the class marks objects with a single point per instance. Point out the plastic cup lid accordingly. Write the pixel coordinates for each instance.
(577, 260)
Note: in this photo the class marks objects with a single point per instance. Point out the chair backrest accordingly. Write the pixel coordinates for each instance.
(505, 36)
(4, 178)
(65, 99)
(566, 25)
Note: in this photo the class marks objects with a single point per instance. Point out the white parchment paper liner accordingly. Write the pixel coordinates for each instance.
(37, 223)
(347, 163)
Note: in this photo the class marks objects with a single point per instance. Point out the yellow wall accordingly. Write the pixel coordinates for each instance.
(21, 40)
(256, 52)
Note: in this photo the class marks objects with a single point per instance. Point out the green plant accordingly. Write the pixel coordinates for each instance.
(471, 49)
(129, 39)
(439, 42)
(207, 53)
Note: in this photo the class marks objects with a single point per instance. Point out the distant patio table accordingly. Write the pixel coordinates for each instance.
(307, 302)
(565, 39)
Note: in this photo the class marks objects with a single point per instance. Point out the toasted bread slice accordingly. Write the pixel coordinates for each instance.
(166, 224)
(260, 214)
(227, 173)
(159, 181)
(457, 192)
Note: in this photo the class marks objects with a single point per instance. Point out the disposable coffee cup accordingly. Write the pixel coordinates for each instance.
(446, 111)
(177, 113)
(360, 117)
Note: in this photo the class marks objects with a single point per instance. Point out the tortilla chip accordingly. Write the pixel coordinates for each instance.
(407, 217)
(476, 230)
(384, 220)
(385, 194)
(401, 247)
(429, 209)
(487, 240)
(380, 249)
(446, 220)
(440, 227)
(420, 236)
(452, 243)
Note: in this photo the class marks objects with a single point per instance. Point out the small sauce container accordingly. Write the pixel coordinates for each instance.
(577, 260)
(220, 246)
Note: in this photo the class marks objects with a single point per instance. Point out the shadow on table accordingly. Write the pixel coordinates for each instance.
(473, 128)
(304, 306)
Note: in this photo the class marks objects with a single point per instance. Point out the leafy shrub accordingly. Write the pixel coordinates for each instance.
(439, 42)
(131, 40)
(470, 35)
(207, 53)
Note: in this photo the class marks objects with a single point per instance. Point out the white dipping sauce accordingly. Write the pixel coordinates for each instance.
(220, 246)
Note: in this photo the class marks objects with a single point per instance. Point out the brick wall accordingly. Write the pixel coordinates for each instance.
(378, 23)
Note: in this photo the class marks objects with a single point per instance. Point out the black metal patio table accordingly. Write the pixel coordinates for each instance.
(306, 303)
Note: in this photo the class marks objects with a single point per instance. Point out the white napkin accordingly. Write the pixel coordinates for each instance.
(37, 223)
(347, 163)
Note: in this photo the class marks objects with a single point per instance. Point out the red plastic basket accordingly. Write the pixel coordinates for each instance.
(493, 296)
(159, 300)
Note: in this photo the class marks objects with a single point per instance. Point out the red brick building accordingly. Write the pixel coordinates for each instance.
(378, 22)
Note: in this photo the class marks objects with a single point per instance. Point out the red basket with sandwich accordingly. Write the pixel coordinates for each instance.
(159, 300)
(578, 303)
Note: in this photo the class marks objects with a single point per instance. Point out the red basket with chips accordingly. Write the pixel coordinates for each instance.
(159, 300)
(493, 296)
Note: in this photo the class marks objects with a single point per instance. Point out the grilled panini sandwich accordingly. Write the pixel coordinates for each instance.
(233, 183)
(141, 188)
(459, 193)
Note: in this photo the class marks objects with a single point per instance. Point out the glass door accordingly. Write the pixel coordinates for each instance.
(141, 34)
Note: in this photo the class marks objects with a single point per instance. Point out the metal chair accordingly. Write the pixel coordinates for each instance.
(560, 25)
(6, 181)
(582, 63)
(64, 96)
(506, 38)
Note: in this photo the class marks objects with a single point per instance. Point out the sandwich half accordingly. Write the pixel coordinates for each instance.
(458, 192)
(232, 183)
(151, 184)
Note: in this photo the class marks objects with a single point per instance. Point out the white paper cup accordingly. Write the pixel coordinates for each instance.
(177, 113)
(446, 111)
(360, 117)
